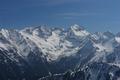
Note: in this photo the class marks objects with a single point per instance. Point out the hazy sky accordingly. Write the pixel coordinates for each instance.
(95, 15)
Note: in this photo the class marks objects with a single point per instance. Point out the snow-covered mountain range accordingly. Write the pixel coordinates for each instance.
(36, 52)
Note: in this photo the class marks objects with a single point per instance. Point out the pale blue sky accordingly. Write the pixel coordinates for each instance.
(95, 15)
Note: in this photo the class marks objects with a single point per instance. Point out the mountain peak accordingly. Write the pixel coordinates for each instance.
(77, 27)
(79, 31)
(109, 34)
(118, 34)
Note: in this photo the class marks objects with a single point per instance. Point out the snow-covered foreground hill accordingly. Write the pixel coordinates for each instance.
(41, 53)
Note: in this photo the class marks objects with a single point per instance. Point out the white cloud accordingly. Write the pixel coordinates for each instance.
(74, 15)
(77, 14)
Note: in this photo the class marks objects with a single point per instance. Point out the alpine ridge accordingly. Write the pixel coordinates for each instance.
(42, 53)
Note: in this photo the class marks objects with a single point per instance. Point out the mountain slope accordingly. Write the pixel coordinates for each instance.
(94, 71)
